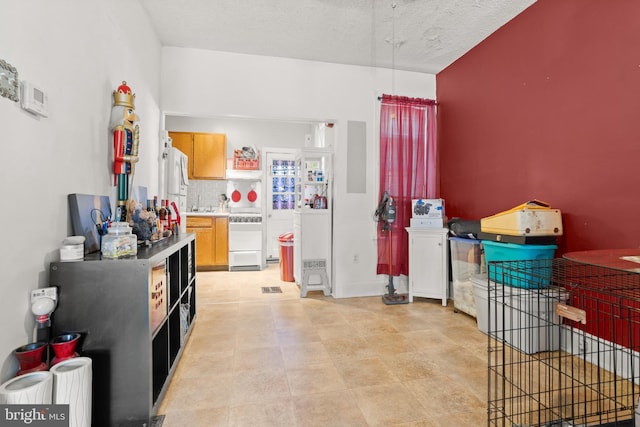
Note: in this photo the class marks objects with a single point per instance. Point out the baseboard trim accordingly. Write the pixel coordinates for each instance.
(359, 289)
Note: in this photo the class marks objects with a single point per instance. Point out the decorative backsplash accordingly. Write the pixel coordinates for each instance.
(208, 190)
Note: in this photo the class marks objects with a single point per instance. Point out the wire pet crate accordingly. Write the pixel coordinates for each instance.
(564, 343)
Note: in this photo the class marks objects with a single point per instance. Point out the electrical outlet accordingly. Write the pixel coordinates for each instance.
(583, 345)
(356, 258)
(50, 292)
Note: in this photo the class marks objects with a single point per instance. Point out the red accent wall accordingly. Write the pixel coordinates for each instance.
(548, 107)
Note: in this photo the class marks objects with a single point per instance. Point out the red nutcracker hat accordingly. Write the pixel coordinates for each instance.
(123, 96)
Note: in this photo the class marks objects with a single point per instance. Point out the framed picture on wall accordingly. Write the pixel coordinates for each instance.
(8, 81)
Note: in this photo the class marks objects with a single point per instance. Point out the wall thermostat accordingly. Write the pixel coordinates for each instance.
(34, 100)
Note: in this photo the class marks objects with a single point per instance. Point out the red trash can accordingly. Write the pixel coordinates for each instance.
(286, 257)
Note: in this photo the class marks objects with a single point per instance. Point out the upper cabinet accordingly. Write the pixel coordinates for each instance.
(207, 153)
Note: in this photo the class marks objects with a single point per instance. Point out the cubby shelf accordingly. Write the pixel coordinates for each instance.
(135, 316)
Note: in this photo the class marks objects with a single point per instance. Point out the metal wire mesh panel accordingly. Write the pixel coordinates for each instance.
(563, 344)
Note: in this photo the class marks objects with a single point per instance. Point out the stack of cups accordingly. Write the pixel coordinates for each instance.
(72, 249)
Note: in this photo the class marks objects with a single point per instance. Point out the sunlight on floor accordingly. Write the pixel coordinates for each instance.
(275, 359)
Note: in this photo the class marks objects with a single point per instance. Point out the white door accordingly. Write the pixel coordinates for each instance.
(280, 179)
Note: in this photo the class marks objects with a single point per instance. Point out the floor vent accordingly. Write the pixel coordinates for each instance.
(271, 290)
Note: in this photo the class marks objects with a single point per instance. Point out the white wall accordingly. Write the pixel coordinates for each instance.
(78, 52)
(203, 83)
(240, 132)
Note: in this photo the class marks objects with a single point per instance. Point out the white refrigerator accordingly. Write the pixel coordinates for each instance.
(177, 183)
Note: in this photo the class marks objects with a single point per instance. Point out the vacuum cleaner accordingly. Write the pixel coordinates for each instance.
(386, 212)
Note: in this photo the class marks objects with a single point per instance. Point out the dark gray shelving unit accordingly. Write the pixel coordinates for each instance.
(129, 314)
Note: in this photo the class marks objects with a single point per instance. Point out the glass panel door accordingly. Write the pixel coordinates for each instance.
(280, 188)
(282, 179)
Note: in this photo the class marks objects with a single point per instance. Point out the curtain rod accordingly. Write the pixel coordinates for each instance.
(380, 99)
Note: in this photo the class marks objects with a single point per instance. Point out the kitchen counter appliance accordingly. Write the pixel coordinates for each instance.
(245, 241)
(245, 224)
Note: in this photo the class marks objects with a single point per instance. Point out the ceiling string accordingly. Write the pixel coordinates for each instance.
(373, 34)
(393, 47)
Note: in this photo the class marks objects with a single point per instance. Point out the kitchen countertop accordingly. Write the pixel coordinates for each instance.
(203, 213)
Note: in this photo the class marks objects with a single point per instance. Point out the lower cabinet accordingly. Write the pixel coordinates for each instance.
(428, 268)
(311, 240)
(212, 241)
(135, 315)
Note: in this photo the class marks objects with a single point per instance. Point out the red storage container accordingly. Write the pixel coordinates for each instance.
(286, 257)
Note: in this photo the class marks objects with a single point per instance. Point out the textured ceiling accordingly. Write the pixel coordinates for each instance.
(428, 35)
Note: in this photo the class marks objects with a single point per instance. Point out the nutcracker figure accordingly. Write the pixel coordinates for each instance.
(126, 134)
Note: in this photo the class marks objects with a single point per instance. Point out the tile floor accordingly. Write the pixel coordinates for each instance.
(257, 359)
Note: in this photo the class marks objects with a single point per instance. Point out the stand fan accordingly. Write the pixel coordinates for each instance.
(386, 212)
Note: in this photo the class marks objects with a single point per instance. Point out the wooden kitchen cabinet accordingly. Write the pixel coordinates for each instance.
(221, 241)
(207, 153)
(209, 156)
(202, 227)
(212, 244)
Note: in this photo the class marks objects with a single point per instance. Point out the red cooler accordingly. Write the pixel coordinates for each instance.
(286, 257)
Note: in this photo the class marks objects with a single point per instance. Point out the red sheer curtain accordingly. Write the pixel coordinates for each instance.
(407, 171)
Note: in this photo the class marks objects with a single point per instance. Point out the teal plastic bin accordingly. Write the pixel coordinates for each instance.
(533, 272)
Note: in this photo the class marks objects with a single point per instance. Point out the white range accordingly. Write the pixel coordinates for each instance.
(246, 230)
